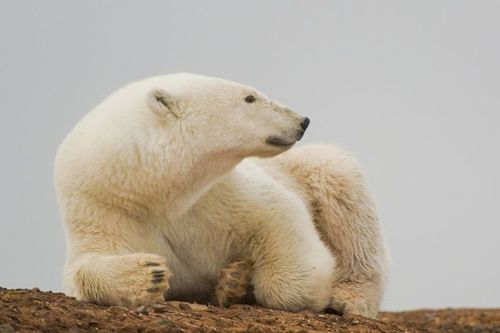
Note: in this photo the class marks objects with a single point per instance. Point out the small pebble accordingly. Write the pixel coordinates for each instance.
(184, 306)
(142, 309)
(158, 308)
(198, 307)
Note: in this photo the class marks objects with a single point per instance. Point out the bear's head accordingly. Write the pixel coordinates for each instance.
(169, 137)
(221, 118)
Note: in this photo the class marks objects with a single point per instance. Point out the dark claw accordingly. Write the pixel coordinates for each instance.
(158, 271)
(158, 276)
(153, 290)
(150, 263)
(158, 280)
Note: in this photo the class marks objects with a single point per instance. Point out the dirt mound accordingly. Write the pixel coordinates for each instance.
(37, 311)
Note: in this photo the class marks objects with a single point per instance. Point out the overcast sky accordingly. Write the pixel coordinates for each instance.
(412, 88)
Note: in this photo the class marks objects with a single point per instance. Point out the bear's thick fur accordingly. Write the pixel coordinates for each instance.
(161, 187)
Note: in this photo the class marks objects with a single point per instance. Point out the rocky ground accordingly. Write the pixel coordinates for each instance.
(37, 311)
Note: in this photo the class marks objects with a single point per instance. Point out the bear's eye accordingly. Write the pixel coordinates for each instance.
(250, 99)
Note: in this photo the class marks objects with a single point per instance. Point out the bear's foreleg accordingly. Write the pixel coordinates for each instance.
(293, 269)
(345, 216)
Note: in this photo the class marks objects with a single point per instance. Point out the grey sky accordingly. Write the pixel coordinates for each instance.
(412, 88)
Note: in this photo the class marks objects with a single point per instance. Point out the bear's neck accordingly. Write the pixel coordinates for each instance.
(194, 179)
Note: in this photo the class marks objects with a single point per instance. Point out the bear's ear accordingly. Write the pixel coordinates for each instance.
(162, 103)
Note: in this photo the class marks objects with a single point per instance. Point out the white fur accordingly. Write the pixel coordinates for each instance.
(160, 173)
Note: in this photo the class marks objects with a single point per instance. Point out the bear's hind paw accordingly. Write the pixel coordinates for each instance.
(233, 283)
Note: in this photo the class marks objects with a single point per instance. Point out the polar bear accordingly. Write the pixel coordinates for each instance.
(172, 179)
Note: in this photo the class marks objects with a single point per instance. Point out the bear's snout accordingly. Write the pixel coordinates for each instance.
(303, 125)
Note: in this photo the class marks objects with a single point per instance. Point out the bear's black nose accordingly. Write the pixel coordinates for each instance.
(305, 123)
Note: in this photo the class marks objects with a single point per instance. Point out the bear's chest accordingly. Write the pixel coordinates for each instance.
(215, 231)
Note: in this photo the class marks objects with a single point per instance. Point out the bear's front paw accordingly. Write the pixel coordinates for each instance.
(233, 283)
(145, 280)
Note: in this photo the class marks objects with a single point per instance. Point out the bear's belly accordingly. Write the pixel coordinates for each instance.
(196, 249)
